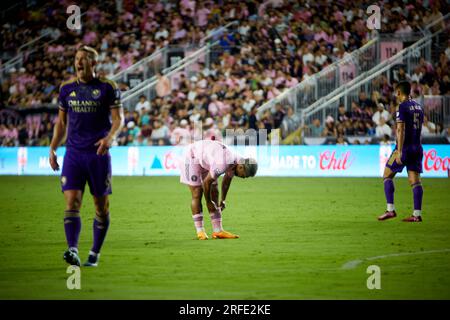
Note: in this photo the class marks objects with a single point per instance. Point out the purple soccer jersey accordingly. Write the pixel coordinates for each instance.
(88, 108)
(410, 113)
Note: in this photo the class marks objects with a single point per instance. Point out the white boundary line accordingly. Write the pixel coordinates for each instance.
(354, 263)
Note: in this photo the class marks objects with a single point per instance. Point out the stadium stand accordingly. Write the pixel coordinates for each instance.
(276, 45)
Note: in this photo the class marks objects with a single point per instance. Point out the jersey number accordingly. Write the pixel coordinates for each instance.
(416, 121)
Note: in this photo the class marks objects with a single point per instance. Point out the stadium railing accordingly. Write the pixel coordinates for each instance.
(25, 50)
(188, 66)
(17, 61)
(143, 71)
(316, 89)
(330, 78)
(370, 81)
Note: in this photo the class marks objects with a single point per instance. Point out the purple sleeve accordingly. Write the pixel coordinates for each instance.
(113, 96)
(401, 114)
(62, 102)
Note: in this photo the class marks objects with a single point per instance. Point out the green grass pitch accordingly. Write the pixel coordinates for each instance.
(296, 234)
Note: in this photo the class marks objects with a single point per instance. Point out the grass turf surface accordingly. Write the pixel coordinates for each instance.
(296, 234)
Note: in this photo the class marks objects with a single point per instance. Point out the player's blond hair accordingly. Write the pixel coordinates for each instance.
(91, 51)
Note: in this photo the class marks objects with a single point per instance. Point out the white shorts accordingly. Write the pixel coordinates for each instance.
(191, 173)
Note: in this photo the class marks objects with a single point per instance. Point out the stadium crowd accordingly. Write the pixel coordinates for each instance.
(373, 115)
(277, 45)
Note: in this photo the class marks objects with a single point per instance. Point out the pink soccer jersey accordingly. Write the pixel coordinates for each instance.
(213, 156)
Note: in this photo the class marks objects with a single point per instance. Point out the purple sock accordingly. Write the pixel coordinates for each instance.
(417, 194)
(72, 227)
(389, 190)
(100, 229)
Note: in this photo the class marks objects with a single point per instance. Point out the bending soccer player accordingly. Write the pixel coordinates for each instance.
(408, 152)
(91, 110)
(202, 165)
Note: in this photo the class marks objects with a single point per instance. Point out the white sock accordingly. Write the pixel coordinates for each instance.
(92, 253)
(74, 249)
(198, 222)
(417, 213)
(390, 207)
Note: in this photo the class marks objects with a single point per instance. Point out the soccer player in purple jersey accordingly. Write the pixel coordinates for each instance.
(91, 111)
(408, 152)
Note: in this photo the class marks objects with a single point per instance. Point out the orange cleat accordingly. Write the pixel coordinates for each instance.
(201, 235)
(224, 235)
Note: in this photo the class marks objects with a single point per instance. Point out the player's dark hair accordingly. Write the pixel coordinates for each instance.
(250, 166)
(404, 87)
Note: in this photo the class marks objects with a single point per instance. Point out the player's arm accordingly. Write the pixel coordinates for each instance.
(117, 119)
(400, 134)
(59, 131)
(207, 182)
(226, 182)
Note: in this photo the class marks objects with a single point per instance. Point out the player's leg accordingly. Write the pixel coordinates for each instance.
(391, 169)
(99, 180)
(190, 174)
(216, 217)
(100, 229)
(73, 180)
(72, 225)
(417, 190)
(197, 211)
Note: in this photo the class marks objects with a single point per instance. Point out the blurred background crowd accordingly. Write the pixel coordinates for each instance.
(277, 45)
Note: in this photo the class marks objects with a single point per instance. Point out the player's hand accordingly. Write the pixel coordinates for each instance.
(103, 146)
(53, 159)
(222, 205)
(212, 207)
(398, 159)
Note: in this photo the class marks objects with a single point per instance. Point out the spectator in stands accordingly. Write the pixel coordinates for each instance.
(140, 141)
(290, 123)
(215, 107)
(417, 74)
(383, 128)
(315, 129)
(330, 128)
(445, 85)
(364, 102)
(381, 113)
(342, 115)
(341, 141)
(160, 133)
(143, 105)
(133, 129)
(212, 131)
(163, 87)
(401, 75)
(428, 127)
(385, 140)
(370, 128)
(181, 135)
(122, 137)
(360, 128)
(278, 116)
(404, 29)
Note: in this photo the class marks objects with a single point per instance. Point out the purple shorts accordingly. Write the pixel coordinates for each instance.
(81, 167)
(411, 159)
